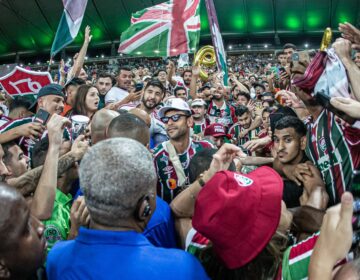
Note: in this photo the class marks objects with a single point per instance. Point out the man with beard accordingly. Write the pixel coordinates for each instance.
(219, 111)
(154, 93)
(246, 128)
(200, 121)
(104, 83)
(172, 157)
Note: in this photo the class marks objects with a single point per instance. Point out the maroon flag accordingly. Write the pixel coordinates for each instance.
(24, 82)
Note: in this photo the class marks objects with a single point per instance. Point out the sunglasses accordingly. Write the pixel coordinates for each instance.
(174, 118)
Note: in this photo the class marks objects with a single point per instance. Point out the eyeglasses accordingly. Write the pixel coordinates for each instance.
(174, 118)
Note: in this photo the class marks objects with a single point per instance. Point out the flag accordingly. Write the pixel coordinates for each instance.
(21, 82)
(166, 29)
(69, 25)
(217, 40)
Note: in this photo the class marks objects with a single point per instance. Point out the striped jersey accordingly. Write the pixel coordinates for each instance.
(224, 115)
(345, 153)
(25, 143)
(296, 259)
(236, 129)
(200, 127)
(168, 188)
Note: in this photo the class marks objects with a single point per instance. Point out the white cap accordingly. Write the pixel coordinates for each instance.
(146, 77)
(174, 104)
(198, 102)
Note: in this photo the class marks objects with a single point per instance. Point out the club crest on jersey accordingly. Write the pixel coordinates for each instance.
(168, 169)
(242, 180)
(171, 183)
(322, 144)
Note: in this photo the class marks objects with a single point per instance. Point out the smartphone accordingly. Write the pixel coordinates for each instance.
(324, 100)
(139, 86)
(282, 69)
(42, 117)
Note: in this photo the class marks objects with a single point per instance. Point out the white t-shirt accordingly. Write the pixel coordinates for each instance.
(115, 94)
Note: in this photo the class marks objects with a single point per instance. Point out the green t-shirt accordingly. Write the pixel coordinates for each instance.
(58, 226)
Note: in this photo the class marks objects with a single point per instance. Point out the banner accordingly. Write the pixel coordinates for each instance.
(69, 25)
(24, 82)
(163, 30)
(217, 40)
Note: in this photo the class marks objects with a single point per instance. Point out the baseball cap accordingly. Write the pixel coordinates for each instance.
(198, 102)
(50, 89)
(216, 130)
(174, 104)
(239, 213)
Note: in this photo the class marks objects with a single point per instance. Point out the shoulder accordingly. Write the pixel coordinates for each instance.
(59, 250)
(202, 143)
(159, 150)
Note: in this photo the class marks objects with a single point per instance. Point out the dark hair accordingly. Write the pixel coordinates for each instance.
(158, 72)
(20, 102)
(129, 126)
(245, 94)
(39, 152)
(201, 161)
(278, 53)
(187, 70)
(280, 113)
(292, 122)
(267, 110)
(74, 82)
(107, 75)
(241, 110)
(80, 105)
(289, 46)
(155, 83)
(177, 89)
(6, 146)
(125, 68)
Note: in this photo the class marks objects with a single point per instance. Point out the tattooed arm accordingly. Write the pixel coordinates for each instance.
(26, 183)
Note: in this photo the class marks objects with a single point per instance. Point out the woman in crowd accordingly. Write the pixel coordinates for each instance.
(86, 101)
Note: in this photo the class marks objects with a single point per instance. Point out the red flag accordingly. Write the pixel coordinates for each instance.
(24, 82)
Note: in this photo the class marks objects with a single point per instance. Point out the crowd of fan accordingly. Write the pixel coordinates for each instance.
(171, 176)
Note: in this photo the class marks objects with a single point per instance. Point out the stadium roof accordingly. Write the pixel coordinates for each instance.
(29, 26)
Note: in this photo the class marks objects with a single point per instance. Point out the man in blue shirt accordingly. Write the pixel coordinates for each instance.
(160, 230)
(120, 196)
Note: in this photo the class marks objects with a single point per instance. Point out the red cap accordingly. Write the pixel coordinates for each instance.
(239, 213)
(215, 129)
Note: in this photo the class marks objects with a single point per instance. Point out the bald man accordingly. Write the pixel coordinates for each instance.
(22, 246)
(99, 124)
(142, 115)
(129, 126)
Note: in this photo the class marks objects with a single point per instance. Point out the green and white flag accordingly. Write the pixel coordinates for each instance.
(166, 29)
(69, 25)
(217, 40)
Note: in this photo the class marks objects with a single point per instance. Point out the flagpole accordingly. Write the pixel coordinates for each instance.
(217, 39)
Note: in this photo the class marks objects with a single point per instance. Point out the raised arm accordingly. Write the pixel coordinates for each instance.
(26, 183)
(342, 48)
(79, 62)
(43, 201)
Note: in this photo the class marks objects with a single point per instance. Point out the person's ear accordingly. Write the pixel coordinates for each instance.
(144, 209)
(190, 121)
(4, 271)
(303, 142)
